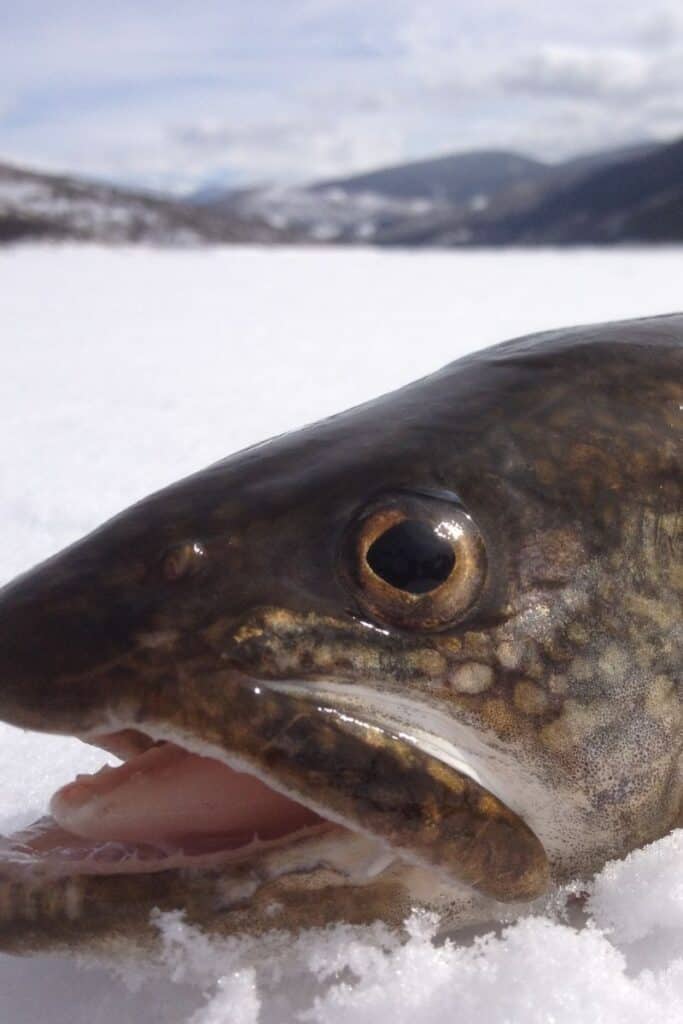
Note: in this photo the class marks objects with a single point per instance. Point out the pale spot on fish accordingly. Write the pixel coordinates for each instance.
(472, 677)
(428, 663)
(557, 684)
(530, 698)
(510, 653)
(577, 723)
(614, 663)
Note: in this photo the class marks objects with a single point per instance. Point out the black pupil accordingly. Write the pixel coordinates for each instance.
(411, 556)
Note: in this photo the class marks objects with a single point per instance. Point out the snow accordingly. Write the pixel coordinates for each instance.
(125, 369)
(655, 883)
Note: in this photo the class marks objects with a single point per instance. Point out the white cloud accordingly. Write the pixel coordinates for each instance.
(661, 28)
(580, 71)
(166, 94)
(310, 147)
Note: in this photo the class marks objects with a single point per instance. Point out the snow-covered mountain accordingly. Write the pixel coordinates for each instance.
(639, 199)
(478, 198)
(457, 179)
(326, 214)
(363, 207)
(36, 205)
(427, 202)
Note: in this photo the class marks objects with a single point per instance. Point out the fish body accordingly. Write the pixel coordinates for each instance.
(424, 653)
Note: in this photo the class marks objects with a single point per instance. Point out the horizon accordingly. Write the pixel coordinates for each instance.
(248, 186)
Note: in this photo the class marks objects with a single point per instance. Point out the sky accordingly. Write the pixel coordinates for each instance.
(176, 95)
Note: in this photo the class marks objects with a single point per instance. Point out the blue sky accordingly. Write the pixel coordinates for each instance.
(175, 94)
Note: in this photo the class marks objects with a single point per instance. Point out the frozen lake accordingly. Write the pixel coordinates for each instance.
(125, 369)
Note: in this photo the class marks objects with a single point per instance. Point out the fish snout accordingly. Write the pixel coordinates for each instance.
(59, 631)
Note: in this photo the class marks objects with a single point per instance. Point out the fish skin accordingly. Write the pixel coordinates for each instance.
(562, 682)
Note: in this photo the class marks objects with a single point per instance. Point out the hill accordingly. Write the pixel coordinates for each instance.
(637, 200)
(449, 200)
(49, 206)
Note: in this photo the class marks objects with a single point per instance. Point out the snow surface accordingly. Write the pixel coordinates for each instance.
(122, 370)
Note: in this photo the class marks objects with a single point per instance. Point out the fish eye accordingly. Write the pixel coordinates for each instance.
(416, 561)
(183, 560)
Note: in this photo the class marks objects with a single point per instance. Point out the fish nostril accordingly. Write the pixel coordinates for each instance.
(183, 560)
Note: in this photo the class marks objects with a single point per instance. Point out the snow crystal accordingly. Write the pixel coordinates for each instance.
(123, 370)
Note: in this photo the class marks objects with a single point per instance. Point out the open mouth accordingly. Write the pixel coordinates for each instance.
(166, 808)
(162, 808)
(311, 781)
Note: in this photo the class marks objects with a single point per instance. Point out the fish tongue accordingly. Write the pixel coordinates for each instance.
(168, 794)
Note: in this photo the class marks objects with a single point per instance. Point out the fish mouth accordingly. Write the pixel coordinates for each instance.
(162, 808)
(255, 806)
(287, 773)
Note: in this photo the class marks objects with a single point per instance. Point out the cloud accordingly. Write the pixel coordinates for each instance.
(308, 147)
(661, 28)
(579, 71)
(169, 95)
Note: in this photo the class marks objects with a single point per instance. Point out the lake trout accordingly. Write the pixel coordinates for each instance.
(425, 653)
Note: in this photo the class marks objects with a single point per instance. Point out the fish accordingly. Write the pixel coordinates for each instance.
(425, 653)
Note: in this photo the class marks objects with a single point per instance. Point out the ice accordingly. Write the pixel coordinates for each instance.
(124, 369)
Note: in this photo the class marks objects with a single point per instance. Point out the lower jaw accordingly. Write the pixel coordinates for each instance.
(313, 881)
(46, 851)
(62, 893)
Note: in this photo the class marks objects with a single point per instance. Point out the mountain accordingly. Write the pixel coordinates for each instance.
(455, 179)
(364, 206)
(48, 206)
(426, 202)
(478, 198)
(477, 223)
(636, 200)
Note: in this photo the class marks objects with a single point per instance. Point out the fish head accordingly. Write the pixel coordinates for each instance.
(421, 653)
